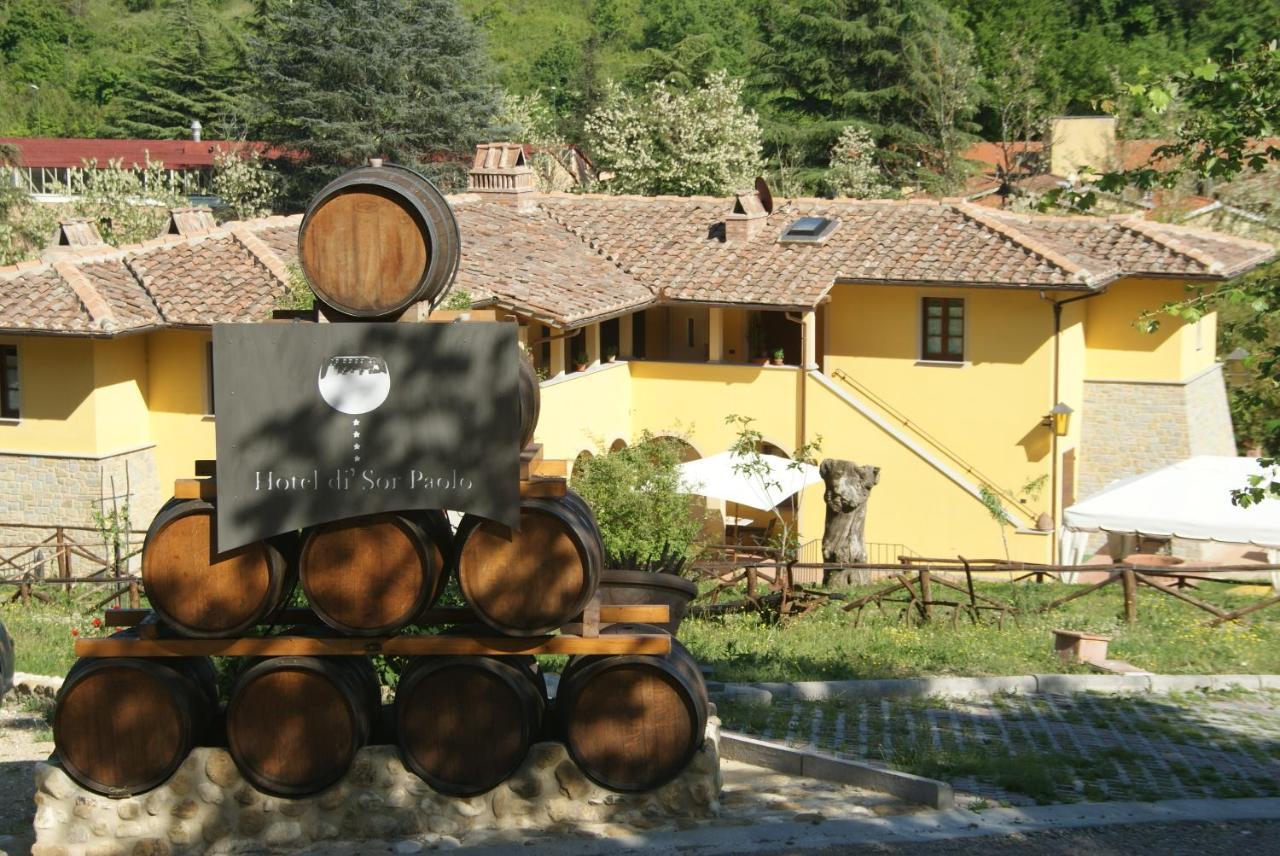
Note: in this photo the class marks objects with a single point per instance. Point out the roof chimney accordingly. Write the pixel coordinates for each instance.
(72, 235)
(1076, 142)
(747, 218)
(190, 221)
(196, 128)
(501, 173)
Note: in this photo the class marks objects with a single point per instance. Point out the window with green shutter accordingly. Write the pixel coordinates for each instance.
(943, 333)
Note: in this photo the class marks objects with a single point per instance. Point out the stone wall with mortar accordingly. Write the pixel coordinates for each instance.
(208, 808)
(1131, 428)
(47, 491)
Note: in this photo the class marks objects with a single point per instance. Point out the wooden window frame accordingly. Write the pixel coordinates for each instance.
(942, 355)
(7, 409)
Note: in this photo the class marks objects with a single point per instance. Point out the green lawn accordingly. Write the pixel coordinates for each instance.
(1170, 637)
(825, 645)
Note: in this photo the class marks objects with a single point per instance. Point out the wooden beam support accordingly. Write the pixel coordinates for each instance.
(645, 613)
(403, 646)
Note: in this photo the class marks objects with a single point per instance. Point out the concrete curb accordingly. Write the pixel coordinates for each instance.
(1006, 684)
(814, 765)
(847, 833)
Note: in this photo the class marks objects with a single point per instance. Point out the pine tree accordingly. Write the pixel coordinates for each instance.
(346, 80)
(193, 76)
(825, 64)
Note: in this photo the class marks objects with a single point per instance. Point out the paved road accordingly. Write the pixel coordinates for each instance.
(1203, 839)
(1048, 748)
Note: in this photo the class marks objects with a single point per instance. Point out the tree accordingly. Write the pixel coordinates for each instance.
(346, 80)
(1229, 110)
(246, 186)
(943, 87)
(824, 64)
(750, 463)
(191, 76)
(854, 172)
(666, 140)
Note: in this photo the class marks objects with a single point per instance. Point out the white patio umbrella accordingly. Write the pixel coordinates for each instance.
(721, 477)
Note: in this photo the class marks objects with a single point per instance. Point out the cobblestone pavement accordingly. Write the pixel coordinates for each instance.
(1048, 748)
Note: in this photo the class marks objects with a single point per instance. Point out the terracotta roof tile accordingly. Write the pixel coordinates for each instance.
(41, 300)
(573, 259)
(129, 303)
(207, 281)
(526, 260)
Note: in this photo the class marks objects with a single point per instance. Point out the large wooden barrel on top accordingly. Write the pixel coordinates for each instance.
(199, 592)
(294, 724)
(374, 574)
(124, 725)
(376, 239)
(632, 722)
(465, 724)
(531, 581)
(529, 401)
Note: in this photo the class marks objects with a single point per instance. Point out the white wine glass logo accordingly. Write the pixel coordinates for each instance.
(355, 385)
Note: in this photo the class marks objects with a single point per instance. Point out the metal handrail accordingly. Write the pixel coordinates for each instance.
(919, 430)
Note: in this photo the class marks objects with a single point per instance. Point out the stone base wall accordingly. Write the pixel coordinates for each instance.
(1131, 428)
(45, 492)
(208, 808)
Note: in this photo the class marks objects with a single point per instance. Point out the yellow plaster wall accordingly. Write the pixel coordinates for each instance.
(694, 399)
(1071, 377)
(121, 419)
(178, 400)
(987, 410)
(914, 504)
(585, 410)
(58, 414)
(1118, 350)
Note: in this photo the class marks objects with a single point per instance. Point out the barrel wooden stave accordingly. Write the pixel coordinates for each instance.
(294, 724)
(528, 401)
(465, 724)
(531, 581)
(632, 722)
(201, 593)
(372, 575)
(377, 239)
(123, 725)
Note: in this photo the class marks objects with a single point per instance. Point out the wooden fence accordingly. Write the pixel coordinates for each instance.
(925, 586)
(70, 556)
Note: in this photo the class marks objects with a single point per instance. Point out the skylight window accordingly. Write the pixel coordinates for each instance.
(808, 230)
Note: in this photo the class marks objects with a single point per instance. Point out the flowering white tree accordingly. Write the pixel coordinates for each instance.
(854, 171)
(246, 186)
(667, 140)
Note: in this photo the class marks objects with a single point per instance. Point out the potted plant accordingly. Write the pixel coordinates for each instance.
(580, 361)
(611, 354)
(779, 355)
(647, 527)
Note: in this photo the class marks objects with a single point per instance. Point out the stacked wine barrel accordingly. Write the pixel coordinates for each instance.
(374, 242)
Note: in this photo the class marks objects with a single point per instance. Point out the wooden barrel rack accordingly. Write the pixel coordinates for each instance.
(380, 243)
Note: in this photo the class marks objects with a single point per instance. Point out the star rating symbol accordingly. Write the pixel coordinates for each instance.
(355, 433)
(357, 459)
(357, 447)
(355, 421)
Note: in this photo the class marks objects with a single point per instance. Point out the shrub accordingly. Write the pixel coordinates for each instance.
(636, 495)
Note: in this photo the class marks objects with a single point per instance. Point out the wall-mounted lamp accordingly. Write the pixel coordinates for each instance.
(1237, 371)
(1059, 419)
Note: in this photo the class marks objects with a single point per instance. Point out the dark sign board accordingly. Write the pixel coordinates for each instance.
(319, 422)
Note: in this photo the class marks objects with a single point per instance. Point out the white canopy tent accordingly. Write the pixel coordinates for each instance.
(1190, 499)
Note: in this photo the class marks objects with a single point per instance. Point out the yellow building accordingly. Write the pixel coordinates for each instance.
(929, 339)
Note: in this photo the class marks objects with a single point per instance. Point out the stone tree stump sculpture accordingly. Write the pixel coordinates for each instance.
(848, 487)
